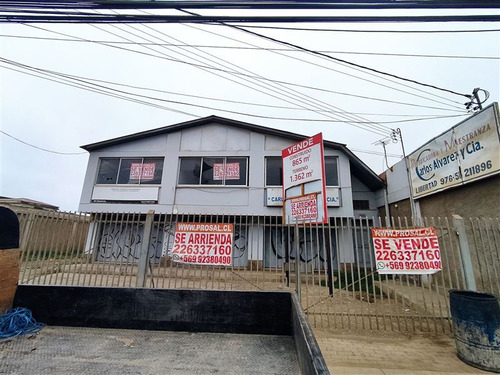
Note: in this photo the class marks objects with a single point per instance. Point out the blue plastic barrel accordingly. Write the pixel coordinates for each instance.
(476, 325)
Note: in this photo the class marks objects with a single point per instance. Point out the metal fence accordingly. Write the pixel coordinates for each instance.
(330, 266)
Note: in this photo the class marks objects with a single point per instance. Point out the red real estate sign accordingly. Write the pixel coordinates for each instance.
(203, 243)
(406, 251)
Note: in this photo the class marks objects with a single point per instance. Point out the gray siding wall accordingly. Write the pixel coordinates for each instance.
(212, 140)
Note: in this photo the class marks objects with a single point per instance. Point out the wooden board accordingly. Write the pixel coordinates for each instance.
(9, 277)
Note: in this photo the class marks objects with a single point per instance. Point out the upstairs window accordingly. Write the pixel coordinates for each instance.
(274, 171)
(331, 171)
(224, 171)
(130, 171)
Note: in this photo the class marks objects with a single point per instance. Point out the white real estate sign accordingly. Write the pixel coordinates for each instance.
(413, 251)
(304, 188)
(467, 152)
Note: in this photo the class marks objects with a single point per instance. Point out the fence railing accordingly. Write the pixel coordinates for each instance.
(331, 266)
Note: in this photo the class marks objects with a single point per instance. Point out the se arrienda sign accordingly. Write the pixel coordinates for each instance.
(203, 243)
(406, 251)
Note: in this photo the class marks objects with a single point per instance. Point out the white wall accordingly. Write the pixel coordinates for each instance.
(397, 184)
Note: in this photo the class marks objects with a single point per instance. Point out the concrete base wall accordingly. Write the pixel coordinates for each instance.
(159, 309)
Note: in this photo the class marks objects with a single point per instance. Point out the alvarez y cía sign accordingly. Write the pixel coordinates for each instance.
(467, 152)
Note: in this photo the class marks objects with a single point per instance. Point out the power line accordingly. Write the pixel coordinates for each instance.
(41, 148)
(15, 17)
(358, 77)
(337, 71)
(369, 31)
(250, 103)
(81, 81)
(376, 153)
(238, 73)
(353, 64)
(266, 84)
(251, 48)
(255, 4)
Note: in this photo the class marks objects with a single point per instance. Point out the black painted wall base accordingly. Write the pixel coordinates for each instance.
(159, 309)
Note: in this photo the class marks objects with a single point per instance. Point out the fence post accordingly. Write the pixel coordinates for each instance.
(26, 232)
(144, 255)
(297, 260)
(329, 262)
(463, 244)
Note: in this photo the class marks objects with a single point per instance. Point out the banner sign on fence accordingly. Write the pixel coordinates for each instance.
(407, 251)
(304, 182)
(203, 243)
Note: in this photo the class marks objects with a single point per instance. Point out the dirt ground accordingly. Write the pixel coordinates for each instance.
(381, 353)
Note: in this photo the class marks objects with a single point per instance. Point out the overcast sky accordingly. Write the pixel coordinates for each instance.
(348, 104)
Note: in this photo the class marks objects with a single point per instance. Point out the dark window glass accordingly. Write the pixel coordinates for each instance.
(274, 171)
(152, 170)
(130, 171)
(212, 172)
(236, 171)
(108, 171)
(361, 204)
(189, 173)
(331, 173)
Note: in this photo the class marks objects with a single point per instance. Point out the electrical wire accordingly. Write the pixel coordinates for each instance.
(18, 321)
(103, 92)
(241, 102)
(353, 64)
(364, 79)
(368, 31)
(366, 124)
(293, 92)
(41, 148)
(251, 48)
(222, 70)
(347, 74)
(82, 81)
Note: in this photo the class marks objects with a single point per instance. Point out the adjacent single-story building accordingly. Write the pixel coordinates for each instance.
(457, 172)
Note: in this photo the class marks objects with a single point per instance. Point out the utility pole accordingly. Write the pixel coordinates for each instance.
(383, 142)
(396, 134)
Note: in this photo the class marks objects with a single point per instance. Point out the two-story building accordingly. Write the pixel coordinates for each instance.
(219, 167)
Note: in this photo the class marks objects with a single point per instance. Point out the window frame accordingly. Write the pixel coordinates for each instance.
(336, 158)
(224, 160)
(266, 171)
(120, 159)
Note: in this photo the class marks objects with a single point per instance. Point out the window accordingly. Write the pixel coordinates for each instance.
(274, 171)
(361, 204)
(331, 172)
(126, 171)
(213, 171)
